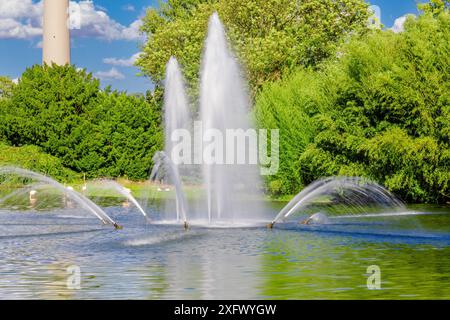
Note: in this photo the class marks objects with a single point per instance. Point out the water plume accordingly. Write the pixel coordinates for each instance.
(224, 104)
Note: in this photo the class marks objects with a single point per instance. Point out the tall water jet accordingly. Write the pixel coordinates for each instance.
(224, 104)
(177, 117)
(68, 192)
(176, 107)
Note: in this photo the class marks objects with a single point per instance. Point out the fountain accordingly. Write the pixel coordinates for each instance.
(229, 189)
(68, 192)
(325, 258)
(224, 104)
(176, 107)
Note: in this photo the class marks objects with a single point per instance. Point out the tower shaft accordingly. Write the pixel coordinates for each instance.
(56, 36)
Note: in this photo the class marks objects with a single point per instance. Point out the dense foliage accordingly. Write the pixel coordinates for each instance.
(32, 158)
(381, 110)
(269, 36)
(289, 106)
(63, 111)
(435, 7)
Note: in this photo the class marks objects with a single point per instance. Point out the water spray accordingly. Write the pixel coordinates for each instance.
(357, 194)
(75, 196)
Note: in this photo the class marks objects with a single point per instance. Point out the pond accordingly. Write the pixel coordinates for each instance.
(156, 261)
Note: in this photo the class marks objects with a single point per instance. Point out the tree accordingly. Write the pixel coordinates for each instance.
(269, 36)
(380, 110)
(435, 7)
(290, 106)
(63, 111)
(391, 121)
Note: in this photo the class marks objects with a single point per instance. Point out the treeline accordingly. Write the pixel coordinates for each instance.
(270, 37)
(349, 99)
(63, 111)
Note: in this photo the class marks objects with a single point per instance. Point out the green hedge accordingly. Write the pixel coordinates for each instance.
(32, 158)
(99, 132)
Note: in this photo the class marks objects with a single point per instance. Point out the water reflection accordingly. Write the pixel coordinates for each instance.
(322, 267)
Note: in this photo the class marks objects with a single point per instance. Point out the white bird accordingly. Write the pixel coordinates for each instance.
(33, 194)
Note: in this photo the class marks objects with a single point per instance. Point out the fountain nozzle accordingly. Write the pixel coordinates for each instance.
(186, 225)
(117, 226)
(270, 225)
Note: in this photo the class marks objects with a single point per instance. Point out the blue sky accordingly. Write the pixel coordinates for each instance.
(108, 38)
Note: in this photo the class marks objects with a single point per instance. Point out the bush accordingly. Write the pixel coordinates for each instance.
(290, 106)
(63, 111)
(32, 158)
(381, 110)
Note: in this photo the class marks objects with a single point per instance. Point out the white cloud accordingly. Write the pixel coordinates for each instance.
(101, 8)
(97, 24)
(15, 80)
(10, 28)
(399, 23)
(122, 62)
(22, 19)
(132, 32)
(375, 17)
(112, 74)
(128, 7)
(20, 9)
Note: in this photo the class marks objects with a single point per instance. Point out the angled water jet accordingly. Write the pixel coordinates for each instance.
(75, 196)
(357, 196)
(111, 184)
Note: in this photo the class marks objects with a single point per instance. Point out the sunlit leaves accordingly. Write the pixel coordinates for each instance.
(269, 36)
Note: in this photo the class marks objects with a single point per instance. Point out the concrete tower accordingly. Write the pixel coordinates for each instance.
(56, 42)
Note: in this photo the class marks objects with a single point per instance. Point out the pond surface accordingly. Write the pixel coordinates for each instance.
(291, 261)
